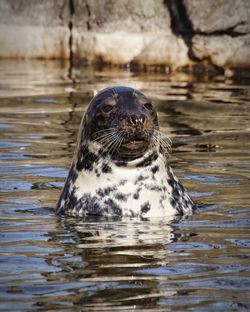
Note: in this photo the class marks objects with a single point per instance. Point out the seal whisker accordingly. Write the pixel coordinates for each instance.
(105, 132)
(117, 144)
(110, 141)
(163, 136)
(104, 138)
(162, 141)
(105, 141)
(117, 139)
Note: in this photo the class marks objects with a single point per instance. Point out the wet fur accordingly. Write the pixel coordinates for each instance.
(106, 179)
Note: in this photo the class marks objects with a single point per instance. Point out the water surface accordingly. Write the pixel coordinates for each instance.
(51, 263)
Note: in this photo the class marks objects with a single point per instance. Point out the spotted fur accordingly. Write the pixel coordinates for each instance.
(102, 183)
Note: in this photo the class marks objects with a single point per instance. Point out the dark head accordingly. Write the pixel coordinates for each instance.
(122, 120)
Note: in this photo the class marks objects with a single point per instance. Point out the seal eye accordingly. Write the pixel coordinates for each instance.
(148, 106)
(107, 108)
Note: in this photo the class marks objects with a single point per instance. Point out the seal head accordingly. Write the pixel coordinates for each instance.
(124, 115)
(120, 166)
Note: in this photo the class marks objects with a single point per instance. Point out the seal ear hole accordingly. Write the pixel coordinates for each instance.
(107, 108)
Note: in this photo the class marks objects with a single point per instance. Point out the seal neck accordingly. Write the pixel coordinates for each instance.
(144, 161)
(93, 152)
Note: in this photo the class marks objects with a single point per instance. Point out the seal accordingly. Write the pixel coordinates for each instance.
(120, 167)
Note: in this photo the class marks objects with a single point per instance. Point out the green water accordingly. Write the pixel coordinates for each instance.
(49, 263)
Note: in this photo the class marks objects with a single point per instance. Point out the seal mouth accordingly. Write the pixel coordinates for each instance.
(134, 143)
(133, 147)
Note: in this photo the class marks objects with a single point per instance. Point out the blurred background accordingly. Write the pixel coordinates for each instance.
(164, 35)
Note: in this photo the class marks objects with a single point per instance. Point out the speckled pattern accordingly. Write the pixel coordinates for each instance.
(101, 183)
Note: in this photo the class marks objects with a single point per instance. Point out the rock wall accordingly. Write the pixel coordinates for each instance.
(221, 31)
(173, 34)
(125, 31)
(34, 29)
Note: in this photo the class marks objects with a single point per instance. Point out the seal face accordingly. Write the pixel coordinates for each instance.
(120, 166)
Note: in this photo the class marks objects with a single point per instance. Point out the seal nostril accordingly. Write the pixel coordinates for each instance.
(143, 119)
(137, 119)
(134, 119)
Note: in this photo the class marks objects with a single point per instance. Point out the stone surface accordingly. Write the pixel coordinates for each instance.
(219, 15)
(107, 16)
(223, 51)
(125, 31)
(34, 29)
(164, 51)
(221, 31)
(116, 48)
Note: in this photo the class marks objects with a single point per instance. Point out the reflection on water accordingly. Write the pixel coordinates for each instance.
(51, 263)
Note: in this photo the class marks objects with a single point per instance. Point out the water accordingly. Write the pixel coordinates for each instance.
(51, 263)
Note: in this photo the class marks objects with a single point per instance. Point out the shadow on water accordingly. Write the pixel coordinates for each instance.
(67, 264)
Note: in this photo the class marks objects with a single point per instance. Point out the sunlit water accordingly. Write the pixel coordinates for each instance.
(52, 263)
